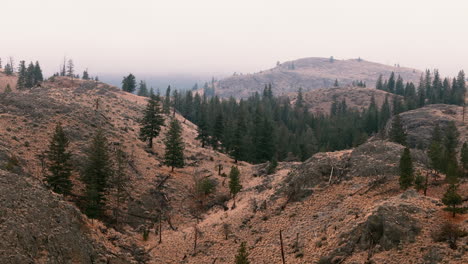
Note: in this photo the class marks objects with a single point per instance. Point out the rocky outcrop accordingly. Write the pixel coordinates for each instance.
(389, 226)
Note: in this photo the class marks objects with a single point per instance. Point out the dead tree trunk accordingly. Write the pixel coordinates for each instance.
(282, 249)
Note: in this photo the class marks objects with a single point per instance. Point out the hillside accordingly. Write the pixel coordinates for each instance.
(336, 207)
(5, 80)
(320, 100)
(310, 73)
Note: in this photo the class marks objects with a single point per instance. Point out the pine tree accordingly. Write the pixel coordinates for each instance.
(406, 170)
(96, 174)
(242, 256)
(379, 84)
(238, 151)
(299, 100)
(70, 68)
(419, 182)
(464, 158)
(452, 199)
(152, 120)
(391, 83)
(30, 76)
(336, 83)
(385, 113)
(372, 117)
(85, 75)
(59, 163)
(450, 153)
(129, 83)
(202, 130)
(397, 134)
(218, 131)
(21, 83)
(174, 155)
(119, 182)
(234, 183)
(143, 89)
(8, 69)
(38, 77)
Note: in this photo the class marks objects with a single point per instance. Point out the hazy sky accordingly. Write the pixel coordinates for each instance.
(218, 36)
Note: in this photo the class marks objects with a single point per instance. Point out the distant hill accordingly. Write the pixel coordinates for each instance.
(310, 73)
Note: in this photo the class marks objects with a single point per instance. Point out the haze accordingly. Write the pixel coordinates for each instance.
(213, 37)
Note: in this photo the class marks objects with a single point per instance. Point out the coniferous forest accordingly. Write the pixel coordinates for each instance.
(266, 127)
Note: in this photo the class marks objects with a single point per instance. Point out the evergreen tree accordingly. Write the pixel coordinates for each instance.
(379, 83)
(464, 158)
(385, 113)
(452, 199)
(372, 117)
(406, 170)
(70, 68)
(174, 155)
(419, 182)
(129, 83)
(242, 256)
(218, 130)
(167, 101)
(8, 69)
(299, 100)
(85, 75)
(234, 183)
(203, 134)
(397, 134)
(152, 120)
(21, 83)
(450, 152)
(391, 83)
(38, 77)
(238, 142)
(59, 163)
(143, 89)
(96, 174)
(336, 83)
(30, 76)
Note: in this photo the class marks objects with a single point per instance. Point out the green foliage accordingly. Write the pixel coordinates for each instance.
(174, 155)
(234, 181)
(242, 256)
(406, 170)
(205, 186)
(97, 171)
(150, 125)
(129, 83)
(435, 151)
(419, 182)
(7, 89)
(143, 89)
(452, 199)
(59, 164)
(85, 75)
(464, 157)
(397, 134)
(272, 166)
(167, 101)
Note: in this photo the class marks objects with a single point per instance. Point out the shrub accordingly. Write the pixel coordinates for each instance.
(449, 233)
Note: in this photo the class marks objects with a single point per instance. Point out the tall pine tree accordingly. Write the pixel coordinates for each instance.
(174, 155)
(59, 163)
(406, 170)
(152, 120)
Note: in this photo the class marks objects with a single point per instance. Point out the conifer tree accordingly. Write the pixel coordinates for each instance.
(464, 158)
(397, 133)
(96, 174)
(242, 256)
(384, 113)
(238, 151)
(336, 83)
(30, 76)
(174, 155)
(38, 77)
(167, 101)
(406, 170)
(391, 83)
(419, 182)
(58, 163)
(372, 117)
(129, 83)
(379, 83)
(21, 83)
(452, 199)
(85, 75)
(299, 100)
(152, 120)
(8, 69)
(218, 130)
(202, 130)
(143, 89)
(70, 68)
(234, 183)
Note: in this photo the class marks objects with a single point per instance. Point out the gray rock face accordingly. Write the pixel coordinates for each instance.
(36, 226)
(387, 228)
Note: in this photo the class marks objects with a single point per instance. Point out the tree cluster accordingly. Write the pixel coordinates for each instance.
(29, 76)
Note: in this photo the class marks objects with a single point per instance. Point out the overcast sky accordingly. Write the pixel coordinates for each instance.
(218, 36)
